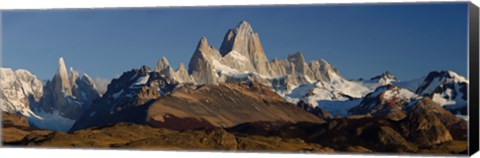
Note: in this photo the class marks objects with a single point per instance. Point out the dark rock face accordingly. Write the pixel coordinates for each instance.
(299, 65)
(126, 98)
(86, 91)
(374, 133)
(317, 111)
(436, 116)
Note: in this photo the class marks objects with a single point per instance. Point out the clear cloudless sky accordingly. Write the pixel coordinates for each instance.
(360, 40)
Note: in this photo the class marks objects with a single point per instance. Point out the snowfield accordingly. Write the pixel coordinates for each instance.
(51, 121)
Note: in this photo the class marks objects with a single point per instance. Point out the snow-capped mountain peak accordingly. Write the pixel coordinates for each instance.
(388, 99)
(437, 78)
(385, 78)
(447, 89)
(456, 77)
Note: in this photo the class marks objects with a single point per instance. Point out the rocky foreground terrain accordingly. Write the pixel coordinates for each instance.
(364, 135)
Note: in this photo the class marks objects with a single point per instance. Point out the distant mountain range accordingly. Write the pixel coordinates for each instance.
(234, 85)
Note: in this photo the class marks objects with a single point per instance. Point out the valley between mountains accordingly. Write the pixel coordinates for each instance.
(235, 99)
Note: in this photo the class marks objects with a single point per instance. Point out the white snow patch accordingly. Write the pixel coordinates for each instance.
(142, 80)
(437, 98)
(457, 78)
(400, 93)
(465, 117)
(224, 69)
(238, 56)
(446, 98)
(338, 108)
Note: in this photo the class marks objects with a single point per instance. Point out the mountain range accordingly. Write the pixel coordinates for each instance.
(237, 88)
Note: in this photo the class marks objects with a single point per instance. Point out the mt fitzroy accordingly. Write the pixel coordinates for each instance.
(237, 74)
(241, 58)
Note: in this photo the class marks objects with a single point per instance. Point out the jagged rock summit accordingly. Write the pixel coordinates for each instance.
(69, 95)
(241, 57)
(242, 41)
(201, 66)
(182, 74)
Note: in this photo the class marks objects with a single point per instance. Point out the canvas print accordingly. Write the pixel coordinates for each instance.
(352, 78)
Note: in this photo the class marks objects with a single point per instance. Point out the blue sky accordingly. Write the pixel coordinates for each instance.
(408, 40)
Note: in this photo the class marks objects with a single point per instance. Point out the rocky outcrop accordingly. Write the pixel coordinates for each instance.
(163, 67)
(375, 134)
(200, 66)
(182, 75)
(425, 127)
(299, 65)
(323, 71)
(281, 67)
(61, 82)
(317, 111)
